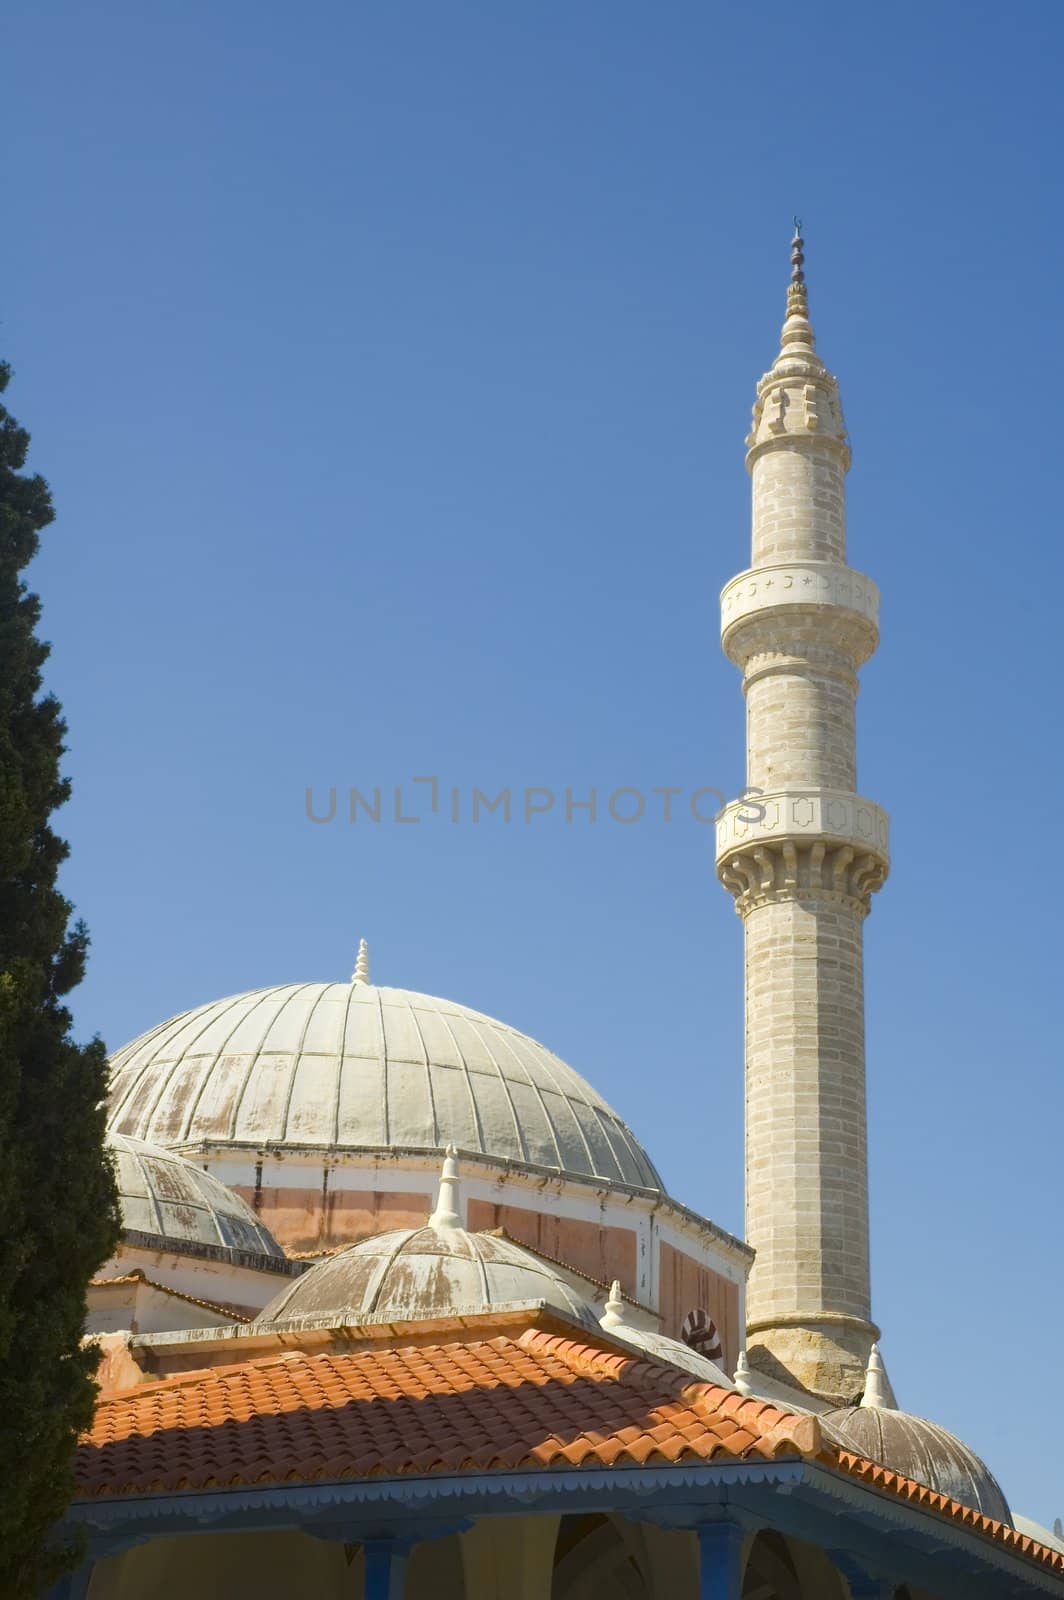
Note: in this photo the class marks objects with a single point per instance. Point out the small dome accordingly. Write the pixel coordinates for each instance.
(920, 1450)
(657, 1345)
(164, 1195)
(415, 1274)
(355, 1066)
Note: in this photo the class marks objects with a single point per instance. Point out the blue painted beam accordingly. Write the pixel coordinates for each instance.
(804, 1499)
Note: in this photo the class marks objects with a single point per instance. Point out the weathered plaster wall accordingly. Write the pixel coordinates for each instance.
(312, 1205)
(225, 1282)
(302, 1217)
(264, 1565)
(687, 1284)
(602, 1252)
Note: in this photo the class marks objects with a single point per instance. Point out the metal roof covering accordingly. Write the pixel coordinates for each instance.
(415, 1274)
(163, 1195)
(361, 1066)
(921, 1451)
(659, 1346)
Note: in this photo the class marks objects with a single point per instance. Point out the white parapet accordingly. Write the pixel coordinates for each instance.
(800, 583)
(804, 813)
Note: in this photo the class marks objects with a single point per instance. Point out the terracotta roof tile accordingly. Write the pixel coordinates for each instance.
(536, 1400)
(540, 1399)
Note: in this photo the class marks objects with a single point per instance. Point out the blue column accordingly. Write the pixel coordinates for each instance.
(385, 1569)
(73, 1585)
(864, 1585)
(720, 1550)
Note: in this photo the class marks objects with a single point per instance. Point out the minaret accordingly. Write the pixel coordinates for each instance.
(802, 859)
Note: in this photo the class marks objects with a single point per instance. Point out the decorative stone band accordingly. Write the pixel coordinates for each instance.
(767, 591)
(802, 844)
(841, 1321)
(802, 1319)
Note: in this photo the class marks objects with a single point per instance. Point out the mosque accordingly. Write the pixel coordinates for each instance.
(402, 1308)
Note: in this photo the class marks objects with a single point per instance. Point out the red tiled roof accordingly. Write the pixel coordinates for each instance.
(528, 1400)
(534, 1400)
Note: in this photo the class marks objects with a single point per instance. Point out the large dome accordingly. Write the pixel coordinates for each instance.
(167, 1197)
(364, 1067)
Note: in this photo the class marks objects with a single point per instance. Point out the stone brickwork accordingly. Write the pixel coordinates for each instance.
(802, 865)
(800, 721)
(799, 506)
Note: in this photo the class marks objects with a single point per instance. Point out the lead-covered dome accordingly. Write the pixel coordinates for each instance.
(365, 1067)
(914, 1447)
(920, 1450)
(658, 1345)
(162, 1195)
(416, 1274)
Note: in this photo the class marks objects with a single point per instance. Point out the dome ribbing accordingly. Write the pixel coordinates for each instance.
(356, 1066)
(919, 1450)
(167, 1197)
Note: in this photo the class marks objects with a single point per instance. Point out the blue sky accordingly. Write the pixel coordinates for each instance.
(391, 367)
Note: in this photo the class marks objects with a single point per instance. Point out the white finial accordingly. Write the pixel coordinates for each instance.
(877, 1390)
(446, 1214)
(361, 972)
(613, 1316)
(743, 1375)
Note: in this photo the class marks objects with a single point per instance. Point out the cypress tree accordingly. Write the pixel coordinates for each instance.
(58, 1204)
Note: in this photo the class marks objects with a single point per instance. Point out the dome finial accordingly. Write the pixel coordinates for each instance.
(743, 1375)
(613, 1316)
(361, 972)
(446, 1214)
(877, 1390)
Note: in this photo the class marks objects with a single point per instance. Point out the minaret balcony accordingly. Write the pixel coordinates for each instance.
(844, 603)
(799, 842)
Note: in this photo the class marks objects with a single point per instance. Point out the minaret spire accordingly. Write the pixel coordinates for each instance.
(798, 338)
(796, 300)
(802, 863)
